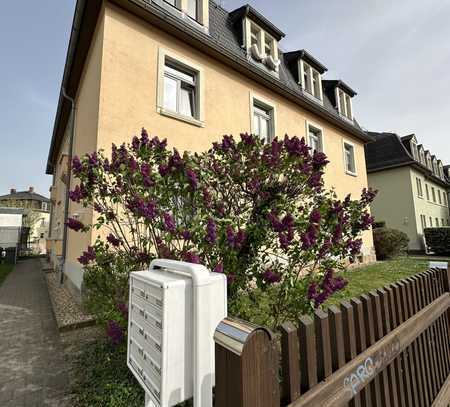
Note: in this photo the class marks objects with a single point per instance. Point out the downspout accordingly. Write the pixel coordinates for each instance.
(69, 175)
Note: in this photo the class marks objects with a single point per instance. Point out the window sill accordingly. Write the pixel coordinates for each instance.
(353, 174)
(177, 116)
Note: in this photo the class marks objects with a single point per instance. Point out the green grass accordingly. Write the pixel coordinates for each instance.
(5, 269)
(367, 278)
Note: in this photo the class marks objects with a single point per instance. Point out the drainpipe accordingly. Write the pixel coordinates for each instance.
(69, 174)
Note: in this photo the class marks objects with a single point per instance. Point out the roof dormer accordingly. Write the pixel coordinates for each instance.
(341, 96)
(307, 71)
(259, 37)
(441, 170)
(435, 165)
(421, 154)
(410, 142)
(429, 163)
(194, 12)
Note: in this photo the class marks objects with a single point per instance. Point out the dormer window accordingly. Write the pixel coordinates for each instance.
(422, 156)
(414, 150)
(344, 103)
(194, 12)
(192, 9)
(311, 80)
(262, 47)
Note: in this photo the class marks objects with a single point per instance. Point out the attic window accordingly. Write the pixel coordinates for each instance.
(311, 80)
(414, 150)
(261, 46)
(422, 157)
(344, 103)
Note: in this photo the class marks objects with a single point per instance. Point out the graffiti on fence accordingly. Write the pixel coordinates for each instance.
(373, 364)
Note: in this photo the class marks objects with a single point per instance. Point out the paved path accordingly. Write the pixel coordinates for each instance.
(33, 372)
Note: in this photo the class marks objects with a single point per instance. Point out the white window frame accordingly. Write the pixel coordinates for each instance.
(265, 104)
(419, 187)
(305, 67)
(427, 190)
(349, 143)
(423, 221)
(316, 127)
(261, 39)
(414, 150)
(344, 113)
(433, 194)
(422, 158)
(183, 63)
(439, 196)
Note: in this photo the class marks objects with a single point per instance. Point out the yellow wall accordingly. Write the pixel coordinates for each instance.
(129, 100)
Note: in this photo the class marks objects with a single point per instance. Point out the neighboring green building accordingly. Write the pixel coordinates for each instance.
(413, 186)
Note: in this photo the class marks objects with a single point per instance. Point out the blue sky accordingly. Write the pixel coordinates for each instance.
(395, 54)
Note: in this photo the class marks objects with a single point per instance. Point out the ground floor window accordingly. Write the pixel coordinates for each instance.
(423, 220)
(315, 137)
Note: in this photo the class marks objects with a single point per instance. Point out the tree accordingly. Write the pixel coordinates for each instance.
(257, 212)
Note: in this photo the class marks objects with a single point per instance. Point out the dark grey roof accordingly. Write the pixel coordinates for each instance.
(294, 56)
(263, 22)
(388, 151)
(340, 84)
(25, 195)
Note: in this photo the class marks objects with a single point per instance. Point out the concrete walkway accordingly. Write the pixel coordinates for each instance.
(33, 371)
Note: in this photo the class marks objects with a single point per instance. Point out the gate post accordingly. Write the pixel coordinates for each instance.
(246, 366)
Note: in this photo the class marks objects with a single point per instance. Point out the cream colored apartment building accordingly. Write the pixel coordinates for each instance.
(190, 71)
(413, 186)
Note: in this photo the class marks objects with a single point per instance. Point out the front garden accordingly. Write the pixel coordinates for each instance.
(258, 213)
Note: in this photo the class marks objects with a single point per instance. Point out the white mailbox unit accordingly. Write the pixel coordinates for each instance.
(174, 310)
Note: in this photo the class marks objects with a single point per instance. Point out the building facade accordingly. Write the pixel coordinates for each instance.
(413, 186)
(36, 215)
(190, 71)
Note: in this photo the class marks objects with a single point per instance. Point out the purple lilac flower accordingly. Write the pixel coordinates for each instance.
(248, 139)
(368, 195)
(271, 277)
(74, 224)
(77, 167)
(169, 223)
(319, 159)
(123, 309)
(325, 248)
(230, 235)
(115, 332)
(144, 137)
(211, 231)
(113, 240)
(163, 170)
(93, 159)
(366, 220)
(218, 268)
(227, 143)
(192, 178)
(315, 216)
(186, 235)
(231, 278)
(207, 198)
(78, 193)
(191, 257)
(135, 143)
(175, 160)
(296, 146)
(354, 246)
(145, 170)
(337, 234)
(239, 239)
(87, 256)
(315, 180)
(275, 222)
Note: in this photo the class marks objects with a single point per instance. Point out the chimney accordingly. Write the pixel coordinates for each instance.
(31, 190)
(13, 191)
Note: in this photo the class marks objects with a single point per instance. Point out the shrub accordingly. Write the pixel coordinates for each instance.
(389, 242)
(257, 212)
(438, 240)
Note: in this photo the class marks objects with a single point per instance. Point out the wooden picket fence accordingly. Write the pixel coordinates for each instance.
(390, 347)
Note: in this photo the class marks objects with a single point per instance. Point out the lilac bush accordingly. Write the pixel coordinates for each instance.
(257, 212)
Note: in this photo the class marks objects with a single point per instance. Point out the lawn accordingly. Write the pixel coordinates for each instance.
(5, 269)
(367, 278)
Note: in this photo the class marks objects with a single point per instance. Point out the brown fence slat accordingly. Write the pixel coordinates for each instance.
(434, 340)
(348, 321)
(419, 348)
(375, 386)
(308, 358)
(385, 318)
(323, 346)
(290, 362)
(379, 333)
(404, 357)
(361, 344)
(397, 362)
(336, 338)
(429, 338)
